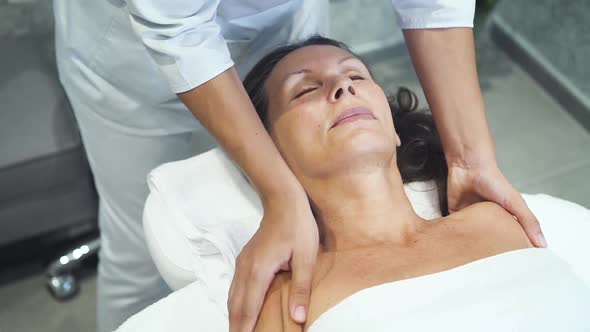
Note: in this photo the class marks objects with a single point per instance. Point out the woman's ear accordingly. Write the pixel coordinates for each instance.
(398, 141)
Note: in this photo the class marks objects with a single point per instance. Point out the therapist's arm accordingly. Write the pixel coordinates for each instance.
(444, 60)
(224, 108)
(184, 39)
(288, 237)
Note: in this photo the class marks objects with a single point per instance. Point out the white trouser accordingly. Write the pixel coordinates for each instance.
(127, 278)
(130, 123)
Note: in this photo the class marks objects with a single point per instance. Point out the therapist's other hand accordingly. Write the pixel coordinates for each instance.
(468, 185)
(286, 240)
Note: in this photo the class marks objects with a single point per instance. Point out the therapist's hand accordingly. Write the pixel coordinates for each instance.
(286, 240)
(470, 184)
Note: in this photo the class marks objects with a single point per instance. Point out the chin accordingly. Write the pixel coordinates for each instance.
(368, 146)
(363, 138)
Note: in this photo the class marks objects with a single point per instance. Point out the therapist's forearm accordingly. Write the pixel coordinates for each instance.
(224, 108)
(444, 60)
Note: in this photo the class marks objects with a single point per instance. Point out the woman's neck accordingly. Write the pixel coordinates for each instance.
(363, 208)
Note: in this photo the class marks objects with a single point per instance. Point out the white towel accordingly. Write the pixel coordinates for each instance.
(524, 290)
(512, 286)
(185, 310)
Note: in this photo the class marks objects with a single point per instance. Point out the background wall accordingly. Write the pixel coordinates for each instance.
(365, 25)
(551, 40)
(559, 30)
(25, 17)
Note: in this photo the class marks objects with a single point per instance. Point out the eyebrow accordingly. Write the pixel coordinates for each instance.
(302, 71)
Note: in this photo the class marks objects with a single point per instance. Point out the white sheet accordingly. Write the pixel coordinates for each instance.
(523, 290)
(566, 226)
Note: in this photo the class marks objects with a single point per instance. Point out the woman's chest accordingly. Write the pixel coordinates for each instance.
(340, 276)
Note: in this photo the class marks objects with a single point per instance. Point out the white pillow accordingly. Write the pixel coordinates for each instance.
(202, 211)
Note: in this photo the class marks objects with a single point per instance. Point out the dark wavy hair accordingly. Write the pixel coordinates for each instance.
(419, 158)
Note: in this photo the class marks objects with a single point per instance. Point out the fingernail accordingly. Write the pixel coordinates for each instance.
(300, 314)
(541, 239)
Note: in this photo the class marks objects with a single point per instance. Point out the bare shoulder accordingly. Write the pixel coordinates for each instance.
(493, 222)
(274, 316)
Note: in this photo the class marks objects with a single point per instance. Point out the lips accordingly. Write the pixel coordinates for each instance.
(353, 114)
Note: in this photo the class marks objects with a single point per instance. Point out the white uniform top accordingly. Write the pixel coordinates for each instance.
(187, 37)
(101, 47)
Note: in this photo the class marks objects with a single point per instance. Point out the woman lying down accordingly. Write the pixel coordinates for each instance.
(380, 267)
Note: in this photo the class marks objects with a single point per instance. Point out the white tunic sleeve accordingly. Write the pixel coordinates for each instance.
(183, 39)
(430, 14)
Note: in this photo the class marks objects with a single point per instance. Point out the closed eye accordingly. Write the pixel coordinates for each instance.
(356, 77)
(303, 92)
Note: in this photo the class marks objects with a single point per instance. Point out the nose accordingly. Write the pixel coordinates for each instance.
(341, 87)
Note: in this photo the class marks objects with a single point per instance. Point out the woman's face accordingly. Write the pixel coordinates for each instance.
(326, 112)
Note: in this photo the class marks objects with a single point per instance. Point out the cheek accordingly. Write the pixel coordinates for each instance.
(381, 105)
(304, 120)
(299, 131)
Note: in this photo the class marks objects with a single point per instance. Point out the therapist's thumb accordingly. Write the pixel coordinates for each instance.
(517, 206)
(302, 273)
